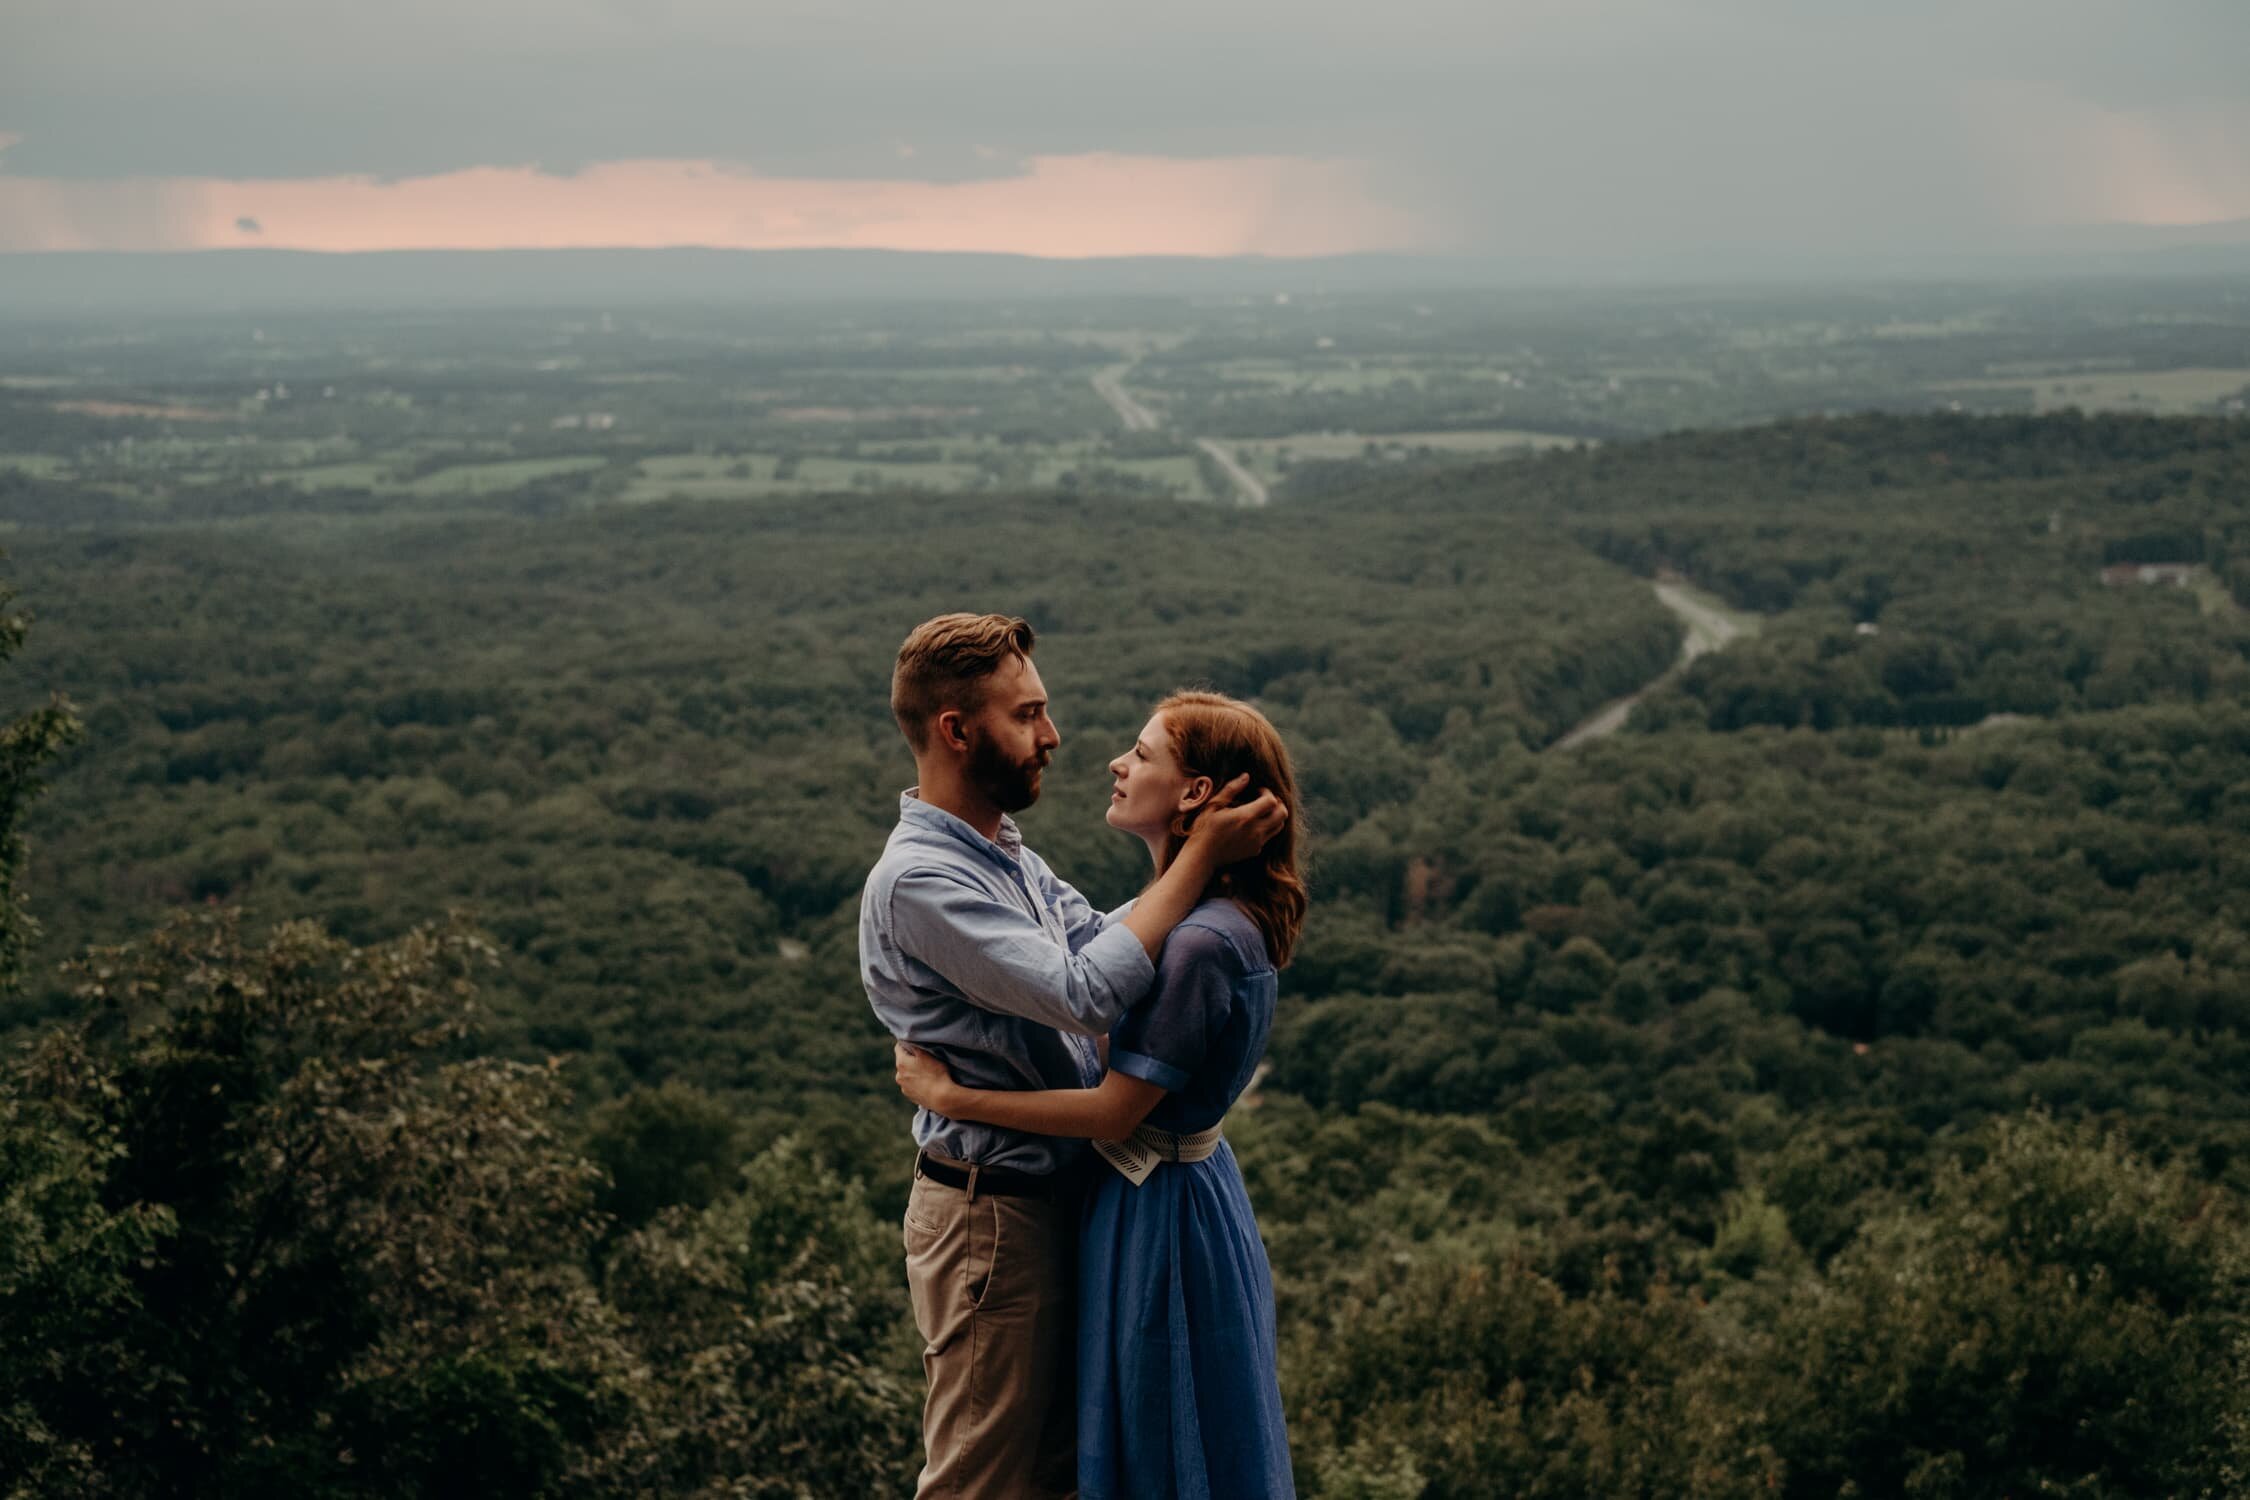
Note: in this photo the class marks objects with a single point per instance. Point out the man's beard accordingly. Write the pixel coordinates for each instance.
(1008, 785)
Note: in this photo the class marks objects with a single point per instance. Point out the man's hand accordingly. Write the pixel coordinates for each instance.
(922, 1078)
(1228, 834)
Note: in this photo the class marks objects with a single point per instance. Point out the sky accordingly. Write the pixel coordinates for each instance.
(1541, 129)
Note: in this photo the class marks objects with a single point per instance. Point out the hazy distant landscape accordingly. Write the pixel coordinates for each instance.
(1776, 761)
(1217, 398)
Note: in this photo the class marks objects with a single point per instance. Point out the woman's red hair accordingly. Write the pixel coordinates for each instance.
(1222, 738)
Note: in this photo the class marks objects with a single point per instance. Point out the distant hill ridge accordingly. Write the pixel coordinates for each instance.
(66, 283)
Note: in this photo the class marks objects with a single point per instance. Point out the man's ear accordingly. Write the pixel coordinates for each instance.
(951, 729)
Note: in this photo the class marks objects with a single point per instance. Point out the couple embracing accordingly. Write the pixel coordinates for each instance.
(1094, 1302)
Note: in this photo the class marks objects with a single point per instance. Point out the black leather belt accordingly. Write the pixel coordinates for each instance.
(1004, 1182)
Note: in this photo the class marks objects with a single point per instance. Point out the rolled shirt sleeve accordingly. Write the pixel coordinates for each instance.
(1002, 958)
(1165, 1038)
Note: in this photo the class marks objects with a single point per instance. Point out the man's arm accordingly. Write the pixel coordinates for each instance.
(1002, 959)
(1079, 919)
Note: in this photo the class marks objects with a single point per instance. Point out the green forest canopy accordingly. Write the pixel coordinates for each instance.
(1634, 1077)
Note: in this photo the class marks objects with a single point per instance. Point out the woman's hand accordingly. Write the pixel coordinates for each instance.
(923, 1079)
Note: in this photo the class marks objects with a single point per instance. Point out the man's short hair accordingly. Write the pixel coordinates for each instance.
(946, 663)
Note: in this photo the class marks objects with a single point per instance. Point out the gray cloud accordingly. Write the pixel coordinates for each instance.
(1534, 124)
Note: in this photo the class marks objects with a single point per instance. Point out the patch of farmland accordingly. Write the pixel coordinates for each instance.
(2158, 391)
(491, 478)
(147, 410)
(37, 465)
(360, 474)
(1265, 455)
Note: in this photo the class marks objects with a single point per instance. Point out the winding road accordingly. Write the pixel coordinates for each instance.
(1110, 386)
(1710, 625)
(1136, 417)
(1708, 629)
(1253, 488)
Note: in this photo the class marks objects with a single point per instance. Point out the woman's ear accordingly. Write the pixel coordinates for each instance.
(1195, 793)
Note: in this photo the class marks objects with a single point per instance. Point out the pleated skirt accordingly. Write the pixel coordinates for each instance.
(1178, 1395)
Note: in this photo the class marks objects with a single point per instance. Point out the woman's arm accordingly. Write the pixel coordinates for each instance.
(1106, 1113)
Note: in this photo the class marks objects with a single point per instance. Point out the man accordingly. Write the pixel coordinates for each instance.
(974, 951)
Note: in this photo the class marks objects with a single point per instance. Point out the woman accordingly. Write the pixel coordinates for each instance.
(1177, 1393)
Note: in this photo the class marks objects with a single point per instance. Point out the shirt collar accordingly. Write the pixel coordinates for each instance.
(1008, 848)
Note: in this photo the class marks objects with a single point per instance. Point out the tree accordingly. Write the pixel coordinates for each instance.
(27, 743)
(663, 1146)
(264, 1229)
(1481, 1377)
(2065, 1319)
(775, 1324)
(66, 1262)
(358, 1259)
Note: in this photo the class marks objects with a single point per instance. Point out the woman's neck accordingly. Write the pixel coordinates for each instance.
(1160, 853)
(1157, 854)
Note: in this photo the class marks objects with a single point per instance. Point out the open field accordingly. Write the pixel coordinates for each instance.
(360, 474)
(2164, 392)
(148, 410)
(963, 466)
(1273, 456)
(1346, 444)
(1323, 374)
(492, 478)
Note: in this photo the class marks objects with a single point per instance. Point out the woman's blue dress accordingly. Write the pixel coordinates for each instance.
(1178, 1398)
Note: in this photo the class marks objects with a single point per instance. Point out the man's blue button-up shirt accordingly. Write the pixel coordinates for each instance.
(972, 950)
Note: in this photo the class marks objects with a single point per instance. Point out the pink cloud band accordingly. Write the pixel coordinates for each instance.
(1063, 206)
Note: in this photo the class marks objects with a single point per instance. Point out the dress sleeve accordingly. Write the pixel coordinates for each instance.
(1164, 1039)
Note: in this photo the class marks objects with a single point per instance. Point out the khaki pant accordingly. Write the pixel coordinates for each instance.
(994, 1284)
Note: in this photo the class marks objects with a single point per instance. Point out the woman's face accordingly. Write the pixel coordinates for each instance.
(1149, 787)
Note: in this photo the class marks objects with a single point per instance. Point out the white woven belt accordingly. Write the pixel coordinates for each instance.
(1137, 1155)
(1170, 1147)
